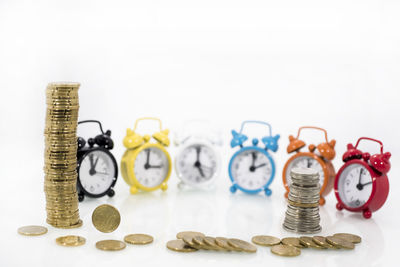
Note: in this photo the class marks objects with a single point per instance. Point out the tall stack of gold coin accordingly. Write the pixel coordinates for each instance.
(60, 155)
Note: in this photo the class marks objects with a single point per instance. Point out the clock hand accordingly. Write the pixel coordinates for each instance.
(147, 164)
(200, 171)
(198, 149)
(309, 163)
(103, 173)
(359, 185)
(92, 171)
(155, 166)
(261, 165)
(366, 183)
(254, 157)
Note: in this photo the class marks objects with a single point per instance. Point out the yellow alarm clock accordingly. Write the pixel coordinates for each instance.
(145, 165)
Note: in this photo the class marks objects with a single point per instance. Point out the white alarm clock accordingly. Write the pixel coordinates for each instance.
(198, 160)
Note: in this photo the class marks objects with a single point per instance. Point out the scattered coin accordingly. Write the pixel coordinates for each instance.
(292, 241)
(308, 242)
(265, 240)
(71, 241)
(106, 218)
(242, 245)
(285, 250)
(110, 245)
(181, 235)
(223, 243)
(189, 241)
(349, 237)
(321, 241)
(32, 230)
(180, 246)
(339, 242)
(138, 239)
(210, 241)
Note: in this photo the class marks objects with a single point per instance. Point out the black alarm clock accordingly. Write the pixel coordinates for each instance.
(97, 168)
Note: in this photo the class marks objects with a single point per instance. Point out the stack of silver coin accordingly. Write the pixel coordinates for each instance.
(302, 215)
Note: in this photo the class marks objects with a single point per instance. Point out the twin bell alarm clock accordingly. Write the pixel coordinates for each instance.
(146, 165)
(251, 168)
(97, 168)
(317, 157)
(197, 162)
(361, 184)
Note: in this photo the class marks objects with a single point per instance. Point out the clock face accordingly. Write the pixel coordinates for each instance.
(305, 162)
(251, 169)
(151, 167)
(197, 163)
(97, 172)
(355, 185)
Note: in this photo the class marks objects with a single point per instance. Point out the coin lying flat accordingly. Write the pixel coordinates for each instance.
(339, 242)
(223, 243)
(321, 241)
(106, 218)
(32, 230)
(285, 250)
(71, 241)
(180, 246)
(292, 241)
(265, 240)
(110, 245)
(242, 245)
(138, 239)
(192, 234)
(349, 237)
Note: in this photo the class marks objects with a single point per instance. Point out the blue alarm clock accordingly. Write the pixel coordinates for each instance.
(251, 168)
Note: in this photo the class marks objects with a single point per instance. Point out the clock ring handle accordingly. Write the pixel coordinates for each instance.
(370, 139)
(93, 121)
(147, 118)
(313, 127)
(256, 122)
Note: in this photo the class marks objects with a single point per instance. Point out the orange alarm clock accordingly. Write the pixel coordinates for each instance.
(318, 157)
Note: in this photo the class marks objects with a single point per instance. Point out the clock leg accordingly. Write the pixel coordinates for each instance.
(233, 189)
(81, 197)
(111, 193)
(321, 201)
(268, 191)
(164, 186)
(367, 213)
(339, 206)
(133, 190)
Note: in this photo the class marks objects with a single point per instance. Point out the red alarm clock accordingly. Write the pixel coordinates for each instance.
(361, 184)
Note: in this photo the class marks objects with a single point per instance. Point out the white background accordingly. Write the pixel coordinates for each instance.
(333, 64)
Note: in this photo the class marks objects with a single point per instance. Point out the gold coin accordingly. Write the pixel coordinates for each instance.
(192, 234)
(110, 245)
(32, 230)
(285, 250)
(349, 237)
(242, 245)
(265, 240)
(223, 243)
(189, 241)
(180, 246)
(210, 241)
(292, 241)
(106, 218)
(321, 241)
(71, 241)
(339, 242)
(308, 242)
(199, 241)
(138, 239)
